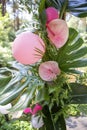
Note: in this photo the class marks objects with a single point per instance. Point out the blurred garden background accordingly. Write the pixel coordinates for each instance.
(17, 16)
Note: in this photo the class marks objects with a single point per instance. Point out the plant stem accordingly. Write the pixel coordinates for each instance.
(63, 10)
(6, 117)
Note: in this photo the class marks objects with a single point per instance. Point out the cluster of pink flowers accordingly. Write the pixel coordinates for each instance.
(29, 48)
(58, 32)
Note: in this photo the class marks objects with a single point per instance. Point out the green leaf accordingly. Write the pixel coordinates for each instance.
(42, 128)
(42, 6)
(42, 94)
(73, 71)
(78, 7)
(9, 96)
(42, 13)
(78, 93)
(43, 18)
(75, 54)
(75, 64)
(60, 123)
(11, 83)
(47, 118)
(74, 42)
(71, 55)
(53, 3)
(63, 9)
(4, 80)
(25, 99)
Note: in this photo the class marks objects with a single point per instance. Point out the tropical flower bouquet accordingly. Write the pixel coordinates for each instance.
(42, 80)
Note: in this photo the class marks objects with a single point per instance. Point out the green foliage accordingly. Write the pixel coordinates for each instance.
(72, 53)
(79, 93)
(2, 119)
(72, 110)
(76, 110)
(82, 108)
(82, 79)
(22, 86)
(6, 37)
(14, 124)
(24, 81)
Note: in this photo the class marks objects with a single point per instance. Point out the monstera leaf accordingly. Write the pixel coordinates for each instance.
(72, 54)
(19, 87)
(75, 7)
(78, 7)
(79, 93)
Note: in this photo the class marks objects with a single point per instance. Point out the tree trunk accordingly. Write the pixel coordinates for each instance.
(3, 7)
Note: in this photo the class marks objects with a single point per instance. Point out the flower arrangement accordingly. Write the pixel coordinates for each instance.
(39, 83)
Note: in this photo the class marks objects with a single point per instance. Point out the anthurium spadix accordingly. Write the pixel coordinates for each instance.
(57, 32)
(51, 13)
(28, 48)
(5, 108)
(49, 70)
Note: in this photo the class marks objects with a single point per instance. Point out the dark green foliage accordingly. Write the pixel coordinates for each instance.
(79, 93)
(16, 125)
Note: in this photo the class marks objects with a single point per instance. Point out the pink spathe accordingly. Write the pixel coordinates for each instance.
(33, 111)
(49, 70)
(28, 48)
(52, 13)
(58, 32)
(36, 109)
(27, 110)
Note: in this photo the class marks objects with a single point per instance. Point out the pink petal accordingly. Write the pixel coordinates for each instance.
(27, 110)
(52, 13)
(58, 32)
(49, 70)
(25, 48)
(37, 108)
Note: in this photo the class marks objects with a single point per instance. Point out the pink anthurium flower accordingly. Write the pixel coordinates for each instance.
(52, 13)
(49, 70)
(27, 110)
(58, 32)
(28, 48)
(34, 110)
